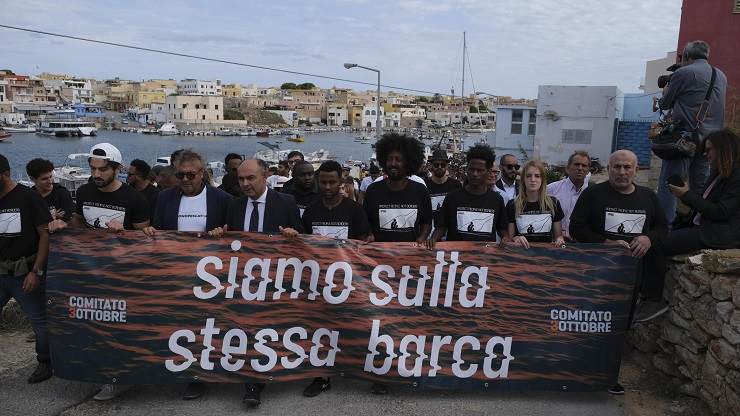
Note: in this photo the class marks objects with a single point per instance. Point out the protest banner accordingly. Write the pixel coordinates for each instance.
(128, 309)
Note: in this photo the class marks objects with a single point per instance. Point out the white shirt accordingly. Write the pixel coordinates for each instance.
(508, 193)
(260, 211)
(567, 193)
(366, 181)
(276, 181)
(193, 212)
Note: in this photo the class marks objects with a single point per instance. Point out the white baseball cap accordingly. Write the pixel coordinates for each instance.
(106, 151)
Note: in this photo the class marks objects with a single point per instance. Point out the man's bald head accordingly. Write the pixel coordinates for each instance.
(252, 174)
(622, 170)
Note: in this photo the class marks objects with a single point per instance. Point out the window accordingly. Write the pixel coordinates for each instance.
(216, 116)
(516, 121)
(217, 104)
(367, 112)
(184, 106)
(532, 122)
(576, 136)
(203, 117)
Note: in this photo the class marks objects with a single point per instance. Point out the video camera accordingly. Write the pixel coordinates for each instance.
(663, 80)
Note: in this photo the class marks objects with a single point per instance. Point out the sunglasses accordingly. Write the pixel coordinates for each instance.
(189, 175)
(510, 167)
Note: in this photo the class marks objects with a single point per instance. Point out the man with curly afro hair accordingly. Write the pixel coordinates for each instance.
(398, 208)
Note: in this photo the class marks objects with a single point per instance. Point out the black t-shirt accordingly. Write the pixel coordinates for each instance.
(397, 216)
(60, 199)
(303, 199)
(534, 223)
(346, 220)
(437, 193)
(125, 205)
(151, 193)
(603, 213)
(470, 217)
(21, 211)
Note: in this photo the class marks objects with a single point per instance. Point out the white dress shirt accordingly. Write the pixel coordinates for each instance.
(260, 210)
(567, 193)
(508, 193)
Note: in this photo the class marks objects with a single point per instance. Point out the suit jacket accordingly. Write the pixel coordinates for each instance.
(720, 211)
(280, 211)
(168, 205)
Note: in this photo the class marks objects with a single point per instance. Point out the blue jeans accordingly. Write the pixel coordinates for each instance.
(697, 171)
(33, 305)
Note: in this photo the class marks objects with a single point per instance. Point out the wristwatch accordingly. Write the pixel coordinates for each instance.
(39, 273)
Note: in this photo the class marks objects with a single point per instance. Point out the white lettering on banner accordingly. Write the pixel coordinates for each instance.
(386, 343)
(261, 272)
(97, 309)
(321, 354)
(581, 321)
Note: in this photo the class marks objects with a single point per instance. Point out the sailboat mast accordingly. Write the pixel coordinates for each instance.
(462, 89)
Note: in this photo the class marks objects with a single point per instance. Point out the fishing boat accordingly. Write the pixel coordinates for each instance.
(168, 129)
(21, 128)
(295, 137)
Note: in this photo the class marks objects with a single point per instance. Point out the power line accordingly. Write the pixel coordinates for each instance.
(223, 61)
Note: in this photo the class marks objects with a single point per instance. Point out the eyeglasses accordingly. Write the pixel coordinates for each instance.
(189, 175)
(510, 167)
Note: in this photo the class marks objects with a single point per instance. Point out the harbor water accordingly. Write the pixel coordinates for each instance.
(22, 147)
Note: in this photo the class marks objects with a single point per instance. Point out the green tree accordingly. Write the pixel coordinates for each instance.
(288, 86)
(305, 86)
(473, 109)
(232, 114)
(422, 99)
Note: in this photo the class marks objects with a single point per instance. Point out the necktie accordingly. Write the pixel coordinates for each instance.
(254, 219)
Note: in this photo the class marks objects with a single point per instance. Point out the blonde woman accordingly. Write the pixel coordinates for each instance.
(533, 215)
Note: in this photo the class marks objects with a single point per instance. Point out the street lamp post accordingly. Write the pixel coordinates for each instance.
(377, 99)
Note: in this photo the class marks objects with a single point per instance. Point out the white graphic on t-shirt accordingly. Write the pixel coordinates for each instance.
(396, 218)
(301, 211)
(624, 223)
(534, 223)
(332, 231)
(437, 201)
(10, 223)
(475, 222)
(99, 217)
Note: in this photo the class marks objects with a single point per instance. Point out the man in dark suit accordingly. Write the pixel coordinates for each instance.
(260, 210)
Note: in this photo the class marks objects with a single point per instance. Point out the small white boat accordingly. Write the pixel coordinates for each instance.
(168, 129)
(162, 161)
(73, 174)
(20, 129)
(87, 130)
(225, 132)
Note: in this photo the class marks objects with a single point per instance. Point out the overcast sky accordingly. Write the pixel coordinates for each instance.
(513, 45)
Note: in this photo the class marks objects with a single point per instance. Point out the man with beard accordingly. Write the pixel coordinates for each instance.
(138, 178)
(195, 206)
(24, 248)
(302, 186)
(56, 196)
(439, 183)
(229, 183)
(628, 216)
(260, 210)
(398, 208)
(569, 189)
(107, 203)
(335, 216)
(474, 212)
(507, 186)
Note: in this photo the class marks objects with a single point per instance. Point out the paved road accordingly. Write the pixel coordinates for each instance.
(67, 398)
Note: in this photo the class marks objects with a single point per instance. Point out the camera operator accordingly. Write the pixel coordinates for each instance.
(684, 96)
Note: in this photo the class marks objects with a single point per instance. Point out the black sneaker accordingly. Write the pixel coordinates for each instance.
(41, 373)
(379, 388)
(318, 386)
(648, 310)
(616, 390)
(194, 390)
(252, 395)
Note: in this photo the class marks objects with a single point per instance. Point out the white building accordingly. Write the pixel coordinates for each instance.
(199, 87)
(369, 116)
(252, 90)
(12, 118)
(157, 114)
(654, 69)
(392, 119)
(290, 116)
(515, 127)
(571, 118)
(73, 91)
(195, 108)
(336, 115)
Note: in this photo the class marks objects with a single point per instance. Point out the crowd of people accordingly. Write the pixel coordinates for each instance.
(403, 199)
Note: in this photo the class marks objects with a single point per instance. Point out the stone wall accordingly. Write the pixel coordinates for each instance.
(697, 342)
